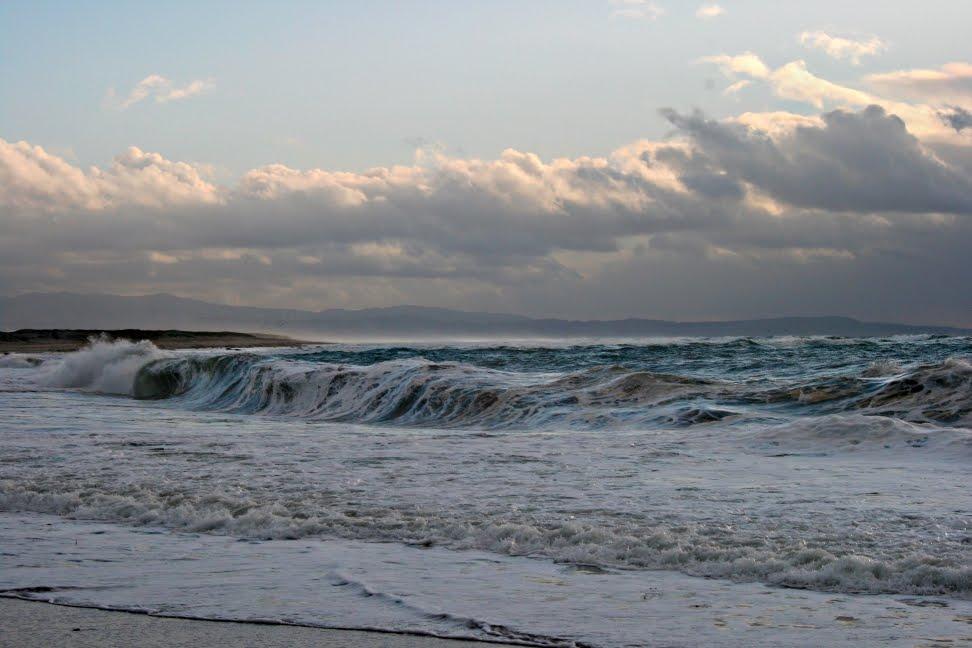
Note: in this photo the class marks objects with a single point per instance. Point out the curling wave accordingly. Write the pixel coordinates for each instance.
(419, 392)
(402, 388)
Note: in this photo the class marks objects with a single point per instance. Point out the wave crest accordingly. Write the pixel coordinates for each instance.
(940, 392)
(105, 366)
(411, 392)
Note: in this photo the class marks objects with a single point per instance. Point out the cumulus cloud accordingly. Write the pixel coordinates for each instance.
(163, 90)
(640, 9)
(951, 83)
(710, 10)
(841, 47)
(858, 162)
(685, 227)
(795, 82)
(30, 177)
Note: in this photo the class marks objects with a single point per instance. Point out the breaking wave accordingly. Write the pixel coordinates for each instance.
(18, 361)
(406, 389)
(104, 366)
(418, 392)
(940, 392)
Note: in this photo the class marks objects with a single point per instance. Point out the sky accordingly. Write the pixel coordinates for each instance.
(586, 159)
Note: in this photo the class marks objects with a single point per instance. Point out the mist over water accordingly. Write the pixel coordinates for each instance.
(825, 464)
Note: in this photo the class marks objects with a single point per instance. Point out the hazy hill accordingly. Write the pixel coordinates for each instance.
(69, 310)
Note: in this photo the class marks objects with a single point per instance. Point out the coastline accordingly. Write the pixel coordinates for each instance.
(27, 623)
(63, 340)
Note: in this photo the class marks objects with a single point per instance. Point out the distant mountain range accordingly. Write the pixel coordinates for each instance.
(69, 310)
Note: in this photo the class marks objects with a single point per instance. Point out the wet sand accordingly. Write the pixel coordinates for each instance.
(61, 340)
(27, 624)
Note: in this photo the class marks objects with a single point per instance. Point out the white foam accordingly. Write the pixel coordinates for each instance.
(881, 368)
(18, 361)
(473, 595)
(690, 548)
(105, 366)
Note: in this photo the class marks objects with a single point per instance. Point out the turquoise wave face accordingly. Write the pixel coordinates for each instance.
(655, 384)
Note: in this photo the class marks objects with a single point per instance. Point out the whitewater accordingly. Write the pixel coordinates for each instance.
(723, 491)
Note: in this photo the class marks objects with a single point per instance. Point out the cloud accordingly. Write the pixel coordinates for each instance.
(956, 117)
(736, 87)
(795, 82)
(639, 9)
(859, 162)
(839, 47)
(30, 177)
(685, 227)
(162, 89)
(951, 83)
(711, 10)
(790, 81)
(746, 63)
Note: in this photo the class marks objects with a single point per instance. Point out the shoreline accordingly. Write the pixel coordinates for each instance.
(25, 623)
(65, 340)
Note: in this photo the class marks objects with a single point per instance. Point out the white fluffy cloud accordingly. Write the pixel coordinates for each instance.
(30, 177)
(794, 81)
(842, 47)
(163, 90)
(710, 10)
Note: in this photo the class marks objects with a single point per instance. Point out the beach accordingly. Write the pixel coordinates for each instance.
(27, 624)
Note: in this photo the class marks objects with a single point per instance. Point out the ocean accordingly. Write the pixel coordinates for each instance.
(690, 491)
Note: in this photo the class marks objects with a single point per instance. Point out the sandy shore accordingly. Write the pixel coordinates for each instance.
(60, 340)
(27, 624)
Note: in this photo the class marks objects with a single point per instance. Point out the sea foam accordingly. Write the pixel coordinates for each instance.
(105, 366)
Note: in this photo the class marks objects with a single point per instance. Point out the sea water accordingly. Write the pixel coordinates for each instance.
(731, 491)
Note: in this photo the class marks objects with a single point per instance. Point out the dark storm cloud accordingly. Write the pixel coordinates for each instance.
(861, 162)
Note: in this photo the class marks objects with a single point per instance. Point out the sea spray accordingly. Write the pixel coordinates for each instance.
(104, 365)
